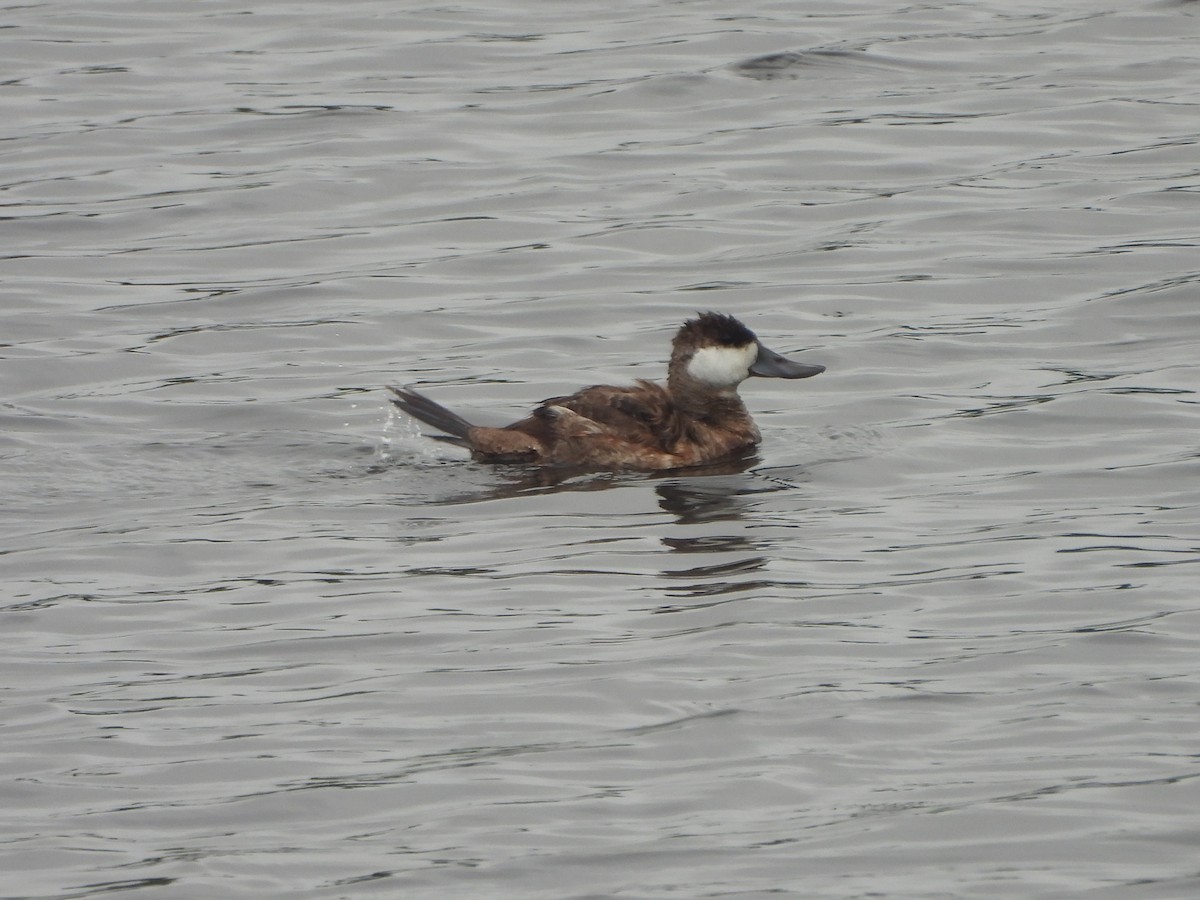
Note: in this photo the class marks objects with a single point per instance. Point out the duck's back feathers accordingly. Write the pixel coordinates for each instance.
(641, 413)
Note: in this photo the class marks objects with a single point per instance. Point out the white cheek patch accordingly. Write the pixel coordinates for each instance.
(723, 366)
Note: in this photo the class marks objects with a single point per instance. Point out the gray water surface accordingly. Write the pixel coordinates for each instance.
(940, 639)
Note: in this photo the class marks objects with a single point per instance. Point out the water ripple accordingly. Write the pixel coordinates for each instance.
(939, 633)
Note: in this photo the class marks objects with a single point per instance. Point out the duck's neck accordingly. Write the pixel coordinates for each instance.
(701, 401)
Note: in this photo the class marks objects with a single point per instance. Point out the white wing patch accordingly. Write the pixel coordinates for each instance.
(723, 366)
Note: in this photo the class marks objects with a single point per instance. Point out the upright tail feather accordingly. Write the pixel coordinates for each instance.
(421, 407)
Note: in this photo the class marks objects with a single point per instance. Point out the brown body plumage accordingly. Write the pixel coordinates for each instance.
(696, 418)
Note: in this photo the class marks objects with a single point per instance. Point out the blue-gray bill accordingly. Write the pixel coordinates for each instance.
(771, 365)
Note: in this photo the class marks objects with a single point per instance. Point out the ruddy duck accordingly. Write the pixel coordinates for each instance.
(696, 418)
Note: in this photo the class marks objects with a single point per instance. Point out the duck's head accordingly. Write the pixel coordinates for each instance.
(719, 352)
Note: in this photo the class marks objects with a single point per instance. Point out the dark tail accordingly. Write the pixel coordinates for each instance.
(421, 407)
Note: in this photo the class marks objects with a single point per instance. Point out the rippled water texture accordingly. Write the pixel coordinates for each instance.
(941, 639)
